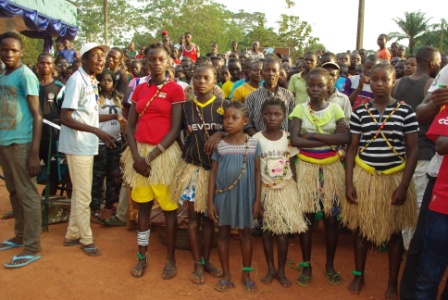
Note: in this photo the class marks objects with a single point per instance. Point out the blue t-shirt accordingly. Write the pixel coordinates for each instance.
(68, 54)
(340, 84)
(16, 121)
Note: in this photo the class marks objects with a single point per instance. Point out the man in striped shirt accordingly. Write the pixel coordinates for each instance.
(270, 89)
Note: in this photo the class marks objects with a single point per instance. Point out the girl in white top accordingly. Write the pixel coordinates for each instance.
(281, 210)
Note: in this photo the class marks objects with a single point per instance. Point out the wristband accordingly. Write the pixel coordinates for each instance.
(148, 160)
(160, 148)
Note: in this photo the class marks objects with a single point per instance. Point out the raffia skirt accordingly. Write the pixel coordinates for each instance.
(162, 169)
(320, 187)
(185, 174)
(374, 215)
(282, 214)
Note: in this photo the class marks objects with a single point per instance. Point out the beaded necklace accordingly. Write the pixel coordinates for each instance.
(159, 88)
(243, 170)
(285, 169)
(340, 152)
(380, 128)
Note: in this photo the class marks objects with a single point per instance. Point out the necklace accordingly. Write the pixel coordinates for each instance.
(285, 168)
(380, 128)
(243, 170)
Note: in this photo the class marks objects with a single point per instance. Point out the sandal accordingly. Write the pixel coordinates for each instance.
(333, 278)
(139, 269)
(91, 250)
(197, 278)
(223, 285)
(303, 280)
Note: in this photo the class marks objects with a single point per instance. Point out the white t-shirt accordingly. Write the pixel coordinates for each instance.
(80, 97)
(273, 159)
(112, 127)
(441, 78)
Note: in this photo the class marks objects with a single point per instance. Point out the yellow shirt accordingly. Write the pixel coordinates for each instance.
(227, 88)
(242, 92)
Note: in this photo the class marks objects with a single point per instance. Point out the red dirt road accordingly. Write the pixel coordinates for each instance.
(67, 273)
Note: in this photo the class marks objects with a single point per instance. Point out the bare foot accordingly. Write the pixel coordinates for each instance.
(391, 292)
(267, 279)
(197, 277)
(212, 270)
(170, 270)
(285, 282)
(356, 285)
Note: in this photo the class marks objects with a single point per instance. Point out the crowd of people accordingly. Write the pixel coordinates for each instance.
(243, 139)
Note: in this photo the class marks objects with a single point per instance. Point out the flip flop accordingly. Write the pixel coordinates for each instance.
(249, 287)
(303, 280)
(91, 251)
(223, 285)
(197, 278)
(8, 215)
(9, 245)
(333, 278)
(29, 259)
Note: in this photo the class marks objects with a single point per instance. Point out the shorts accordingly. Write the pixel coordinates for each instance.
(161, 193)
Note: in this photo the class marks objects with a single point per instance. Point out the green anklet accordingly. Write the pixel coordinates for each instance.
(248, 269)
(141, 257)
(357, 273)
(304, 264)
(202, 261)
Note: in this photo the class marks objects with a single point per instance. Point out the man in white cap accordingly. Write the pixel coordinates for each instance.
(79, 141)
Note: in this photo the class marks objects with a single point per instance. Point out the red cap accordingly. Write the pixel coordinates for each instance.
(164, 32)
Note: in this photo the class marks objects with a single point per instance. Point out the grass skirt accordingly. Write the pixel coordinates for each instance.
(282, 214)
(375, 216)
(162, 168)
(184, 174)
(315, 196)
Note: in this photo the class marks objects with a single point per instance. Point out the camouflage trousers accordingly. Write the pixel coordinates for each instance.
(106, 165)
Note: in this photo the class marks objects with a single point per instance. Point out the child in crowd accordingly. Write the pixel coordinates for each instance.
(318, 128)
(136, 68)
(234, 197)
(235, 73)
(381, 158)
(202, 122)
(225, 76)
(399, 68)
(281, 209)
(108, 159)
(410, 65)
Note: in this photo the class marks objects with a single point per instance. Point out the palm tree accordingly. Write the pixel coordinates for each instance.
(413, 26)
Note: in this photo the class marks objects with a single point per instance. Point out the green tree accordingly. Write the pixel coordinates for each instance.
(413, 26)
(32, 49)
(296, 35)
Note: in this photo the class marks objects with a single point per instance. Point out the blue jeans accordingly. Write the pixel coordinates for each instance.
(434, 257)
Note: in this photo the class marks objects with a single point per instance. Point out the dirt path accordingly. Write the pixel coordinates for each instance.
(67, 273)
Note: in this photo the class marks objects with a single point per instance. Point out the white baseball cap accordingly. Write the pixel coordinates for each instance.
(89, 46)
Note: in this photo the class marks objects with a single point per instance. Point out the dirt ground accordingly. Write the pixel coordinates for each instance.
(67, 273)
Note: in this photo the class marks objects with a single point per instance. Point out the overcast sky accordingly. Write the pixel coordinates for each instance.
(335, 22)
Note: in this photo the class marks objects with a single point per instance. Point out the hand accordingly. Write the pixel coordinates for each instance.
(256, 207)
(33, 165)
(108, 140)
(440, 96)
(123, 122)
(350, 194)
(213, 213)
(362, 80)
(141, 167)
(212, 141)
(399, 195)
(341, 127)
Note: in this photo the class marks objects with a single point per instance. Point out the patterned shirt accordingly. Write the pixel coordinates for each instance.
(258, 97)
(379, 154)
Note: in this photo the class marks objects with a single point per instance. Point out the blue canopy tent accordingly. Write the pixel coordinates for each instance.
(44, 19)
